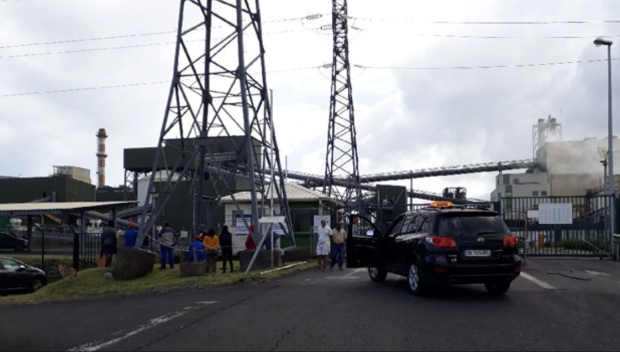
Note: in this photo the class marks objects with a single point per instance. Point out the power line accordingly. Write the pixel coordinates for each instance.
(309, 17)
(459, 36)
(82, 89)
(86, 40)
(119, 47)
(486, 22)
(128, 85)
(483, 67)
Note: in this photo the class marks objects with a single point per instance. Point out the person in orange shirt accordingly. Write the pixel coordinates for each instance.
(211, 242)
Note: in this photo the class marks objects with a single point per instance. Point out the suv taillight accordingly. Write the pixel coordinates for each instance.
(438, 241)
(511, 241)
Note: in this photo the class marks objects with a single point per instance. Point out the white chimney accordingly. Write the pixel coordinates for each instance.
(101, 156)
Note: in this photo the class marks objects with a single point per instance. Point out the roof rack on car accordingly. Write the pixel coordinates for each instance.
(448, 205)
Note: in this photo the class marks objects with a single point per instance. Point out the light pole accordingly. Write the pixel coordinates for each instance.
(610, 149)
(610, 143)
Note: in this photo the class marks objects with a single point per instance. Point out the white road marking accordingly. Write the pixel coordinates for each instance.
(341, 277)
(538, 282)
(596, 273)
(356, 271)
(94, 346)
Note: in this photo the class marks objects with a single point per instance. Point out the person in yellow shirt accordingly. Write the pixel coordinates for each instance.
(211, 242)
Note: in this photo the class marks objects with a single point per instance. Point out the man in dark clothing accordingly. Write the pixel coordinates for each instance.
(108, 243)
(227, 250)
(202, 231)
(131, 235)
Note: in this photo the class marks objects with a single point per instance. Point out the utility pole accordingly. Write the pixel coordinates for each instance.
(217, 121)
(341, 155)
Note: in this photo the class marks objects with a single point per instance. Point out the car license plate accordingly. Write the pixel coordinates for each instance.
(478, 253)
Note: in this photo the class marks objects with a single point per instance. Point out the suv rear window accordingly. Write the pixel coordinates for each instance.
(470, 224)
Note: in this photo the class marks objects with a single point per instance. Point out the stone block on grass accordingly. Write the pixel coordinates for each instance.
(193, 269)
(133, 263)
(263, 260)
(296, 254)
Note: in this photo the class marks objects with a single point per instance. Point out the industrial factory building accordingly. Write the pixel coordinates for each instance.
(566, 168)
(180, 208)
(65, 184)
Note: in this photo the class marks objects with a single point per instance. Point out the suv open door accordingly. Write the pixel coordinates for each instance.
(363, 243)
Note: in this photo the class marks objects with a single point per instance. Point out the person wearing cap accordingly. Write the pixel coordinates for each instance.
(199, 248)
(131, 235)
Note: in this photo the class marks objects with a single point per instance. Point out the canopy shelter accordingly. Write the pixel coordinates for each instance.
(38, 209)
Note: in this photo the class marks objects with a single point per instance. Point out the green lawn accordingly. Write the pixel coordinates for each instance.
(92, 283)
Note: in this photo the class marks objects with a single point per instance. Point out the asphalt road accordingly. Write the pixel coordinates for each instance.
(559, 305)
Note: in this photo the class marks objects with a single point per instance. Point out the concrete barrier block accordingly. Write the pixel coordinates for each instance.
(193, 269)
(296, 254)
(133, 263)
(263, 260)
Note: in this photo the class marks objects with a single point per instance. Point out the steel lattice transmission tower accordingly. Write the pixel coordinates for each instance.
(217, 123)
(341, 139)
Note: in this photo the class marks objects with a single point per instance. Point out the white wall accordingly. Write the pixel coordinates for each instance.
(521, 185)
(239, 241)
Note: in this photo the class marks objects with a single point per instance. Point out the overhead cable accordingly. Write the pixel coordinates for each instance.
(482, 67)
(129, 84)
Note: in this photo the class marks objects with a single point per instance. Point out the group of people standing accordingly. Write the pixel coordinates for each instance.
(330, 240)
(205, 246)
(207, 242)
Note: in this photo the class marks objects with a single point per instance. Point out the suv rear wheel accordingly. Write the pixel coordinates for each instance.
(497, 288)
(377, 274)
(415, 283)
(20, 247)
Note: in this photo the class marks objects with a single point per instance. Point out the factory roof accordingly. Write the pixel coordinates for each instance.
(294, 193)
(16, 209)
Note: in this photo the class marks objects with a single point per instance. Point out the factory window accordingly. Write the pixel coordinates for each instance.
(543, 193)
(506, 179)
(508, 189)
(535, 193)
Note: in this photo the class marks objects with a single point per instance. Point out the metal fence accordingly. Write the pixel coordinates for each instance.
(575, 226)
(90, 250)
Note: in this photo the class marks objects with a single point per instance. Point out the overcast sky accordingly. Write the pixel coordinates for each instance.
(406, 119)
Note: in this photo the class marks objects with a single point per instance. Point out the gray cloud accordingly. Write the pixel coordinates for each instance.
(406, 119)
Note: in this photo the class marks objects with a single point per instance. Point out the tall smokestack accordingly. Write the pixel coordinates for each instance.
(101, 156)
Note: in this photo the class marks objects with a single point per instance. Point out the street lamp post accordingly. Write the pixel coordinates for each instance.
(610, 146)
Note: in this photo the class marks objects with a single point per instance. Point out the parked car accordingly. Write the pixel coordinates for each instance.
(11, 242)
(17, 276)
(440, 244)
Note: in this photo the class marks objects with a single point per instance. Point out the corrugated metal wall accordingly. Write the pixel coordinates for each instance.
(21, 190)
(180, 207)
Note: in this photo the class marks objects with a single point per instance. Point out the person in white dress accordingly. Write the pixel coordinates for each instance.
(323, 246)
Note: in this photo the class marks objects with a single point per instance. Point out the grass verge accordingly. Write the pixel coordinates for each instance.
(91, 283)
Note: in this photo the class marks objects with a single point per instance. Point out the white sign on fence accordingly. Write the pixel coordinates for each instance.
(277, 228)
(555, 213)
(240, 228)
(271, 219)
(532, 214)
(317, 222)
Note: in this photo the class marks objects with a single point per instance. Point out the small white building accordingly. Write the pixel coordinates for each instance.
(521, 185)
(303, 203)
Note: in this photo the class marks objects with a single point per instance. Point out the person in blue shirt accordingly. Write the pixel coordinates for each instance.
(200, 250)
(276, 248)
(131, 235)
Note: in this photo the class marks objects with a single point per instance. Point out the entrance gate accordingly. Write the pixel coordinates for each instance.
(577, 226)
